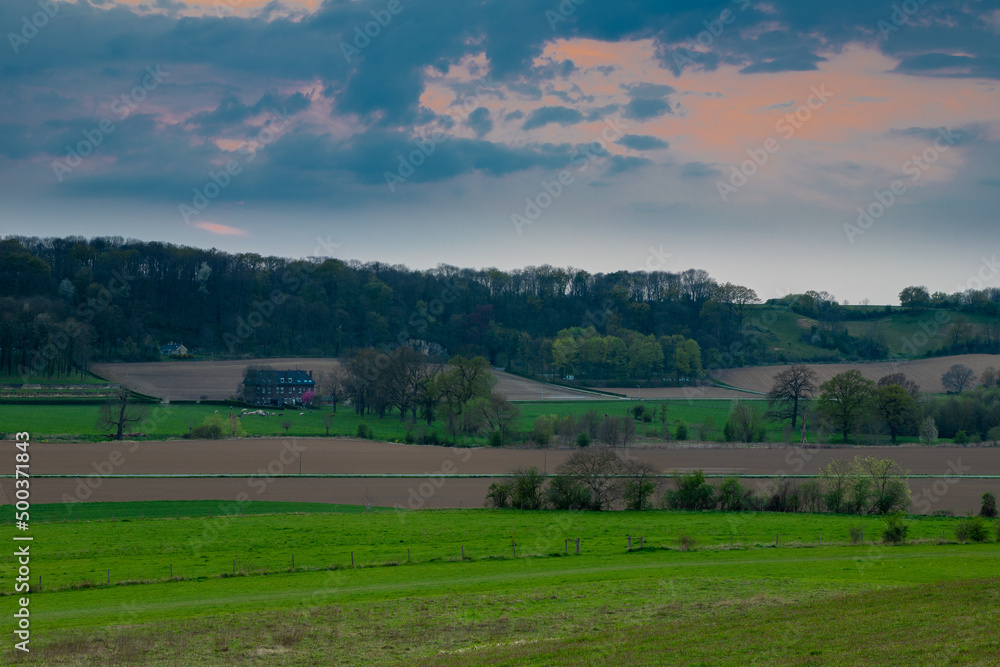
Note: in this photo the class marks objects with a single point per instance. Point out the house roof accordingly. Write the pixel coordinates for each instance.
(295, 377)
(172, 347)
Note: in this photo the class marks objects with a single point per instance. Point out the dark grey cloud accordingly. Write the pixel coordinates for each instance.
(546, 115)
(642, 142)
(699, 170)
(644, 109)
(480, 121)
(622, 163)
(231, 111)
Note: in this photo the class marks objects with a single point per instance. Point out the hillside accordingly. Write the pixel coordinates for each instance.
(925, 372)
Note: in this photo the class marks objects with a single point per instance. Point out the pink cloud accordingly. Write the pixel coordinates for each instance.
(223, 230)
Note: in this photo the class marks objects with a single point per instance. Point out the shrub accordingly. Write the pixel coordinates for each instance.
(896, 529)
(692, 493)
(566, 492)
(496, 440)
(972, 528)
(408, 438)
(857, 533)
(527, 489)
(686, 542)
(543, 430)
(583, 439)
(989, 506)
(682, 431)
(994, 435)
(499, 495)
(961, 438)
(207, 432)
(364, 431)
(731, 494)
(928, 431)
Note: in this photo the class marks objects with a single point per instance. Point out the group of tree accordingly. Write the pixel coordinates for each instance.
(852, 405)
(592, 479)
(462, 392)
(600, 479)
(627, 355)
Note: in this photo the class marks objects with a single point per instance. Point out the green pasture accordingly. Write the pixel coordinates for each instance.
(137, 549)
(925, 602)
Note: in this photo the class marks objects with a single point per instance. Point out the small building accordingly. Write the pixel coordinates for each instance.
(173, 350)
(271, 387)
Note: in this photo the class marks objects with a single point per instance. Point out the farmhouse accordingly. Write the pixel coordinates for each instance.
(271, 387)
(173, 350)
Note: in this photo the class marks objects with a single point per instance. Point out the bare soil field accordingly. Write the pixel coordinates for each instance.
(520, 389)
(683, 393)
(194, 380)
(925, 372)
(321, 455)
(218, 380)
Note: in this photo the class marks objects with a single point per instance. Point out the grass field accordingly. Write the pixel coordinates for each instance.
(79, 422)
(172, 420)
(927, 603)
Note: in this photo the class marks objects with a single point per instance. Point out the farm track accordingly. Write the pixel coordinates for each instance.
(321, 455)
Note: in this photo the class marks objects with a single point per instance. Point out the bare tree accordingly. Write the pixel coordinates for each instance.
(958, 378)
(599, 471)
(118, 411)
(498, 413)
(791, 386)
(900, 379)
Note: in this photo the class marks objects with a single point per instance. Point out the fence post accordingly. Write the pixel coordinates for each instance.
(862, 536)
(730, 540)
(566, 546)
(578, 546)
(463, 552)
(293, 562)
(171, 570)
(513, 546)
(629, 548)
(352, 559)
(407, 554)
(821, 538)
(642, 540)
(775, 539)
(39, 583)
(109, 577)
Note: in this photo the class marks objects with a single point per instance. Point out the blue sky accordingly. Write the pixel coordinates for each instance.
(850, 147)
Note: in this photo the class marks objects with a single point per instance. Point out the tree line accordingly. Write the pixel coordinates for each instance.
(66, 302)
(599, 479)
(892, 406)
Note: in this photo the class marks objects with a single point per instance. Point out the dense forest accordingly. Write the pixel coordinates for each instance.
(66, 302)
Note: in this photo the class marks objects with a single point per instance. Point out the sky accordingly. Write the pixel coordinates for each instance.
(846, 146)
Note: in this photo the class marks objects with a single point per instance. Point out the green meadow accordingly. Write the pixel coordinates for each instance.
(165, 421)
(686, 597)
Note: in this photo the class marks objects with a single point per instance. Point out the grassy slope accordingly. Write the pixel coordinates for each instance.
(824, 605)
(144, 550)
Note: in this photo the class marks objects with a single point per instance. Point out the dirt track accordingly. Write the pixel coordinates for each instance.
(322, 455)
(925, 372)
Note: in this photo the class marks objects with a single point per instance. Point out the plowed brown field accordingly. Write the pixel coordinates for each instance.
(322, 455)
(218, 380)
(925, 372)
